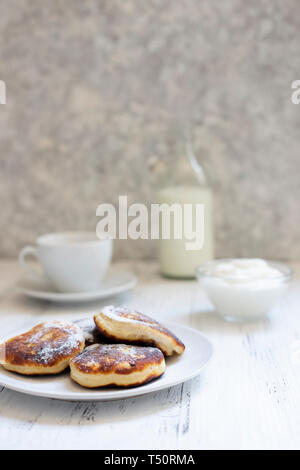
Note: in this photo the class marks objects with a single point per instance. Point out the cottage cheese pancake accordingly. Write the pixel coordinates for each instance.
(45, 349)
(91, 333)
(121, 365)
(125, 325)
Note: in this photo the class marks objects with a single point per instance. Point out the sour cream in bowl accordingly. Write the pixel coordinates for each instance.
(243, 288)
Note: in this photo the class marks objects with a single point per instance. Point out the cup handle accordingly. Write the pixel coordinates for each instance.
(30, 272)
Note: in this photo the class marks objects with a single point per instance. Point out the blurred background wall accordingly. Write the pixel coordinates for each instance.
(97, 89)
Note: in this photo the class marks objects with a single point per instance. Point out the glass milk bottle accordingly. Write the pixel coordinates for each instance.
(175, 259)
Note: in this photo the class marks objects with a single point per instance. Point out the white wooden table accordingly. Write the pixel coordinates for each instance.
(247, 397)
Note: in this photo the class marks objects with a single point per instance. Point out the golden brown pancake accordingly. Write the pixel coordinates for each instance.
(45, 349)
(124, 325)
(91, 333)
(121, 365)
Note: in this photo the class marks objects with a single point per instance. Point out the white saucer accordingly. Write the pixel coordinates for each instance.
(115, 282)
(179, 369)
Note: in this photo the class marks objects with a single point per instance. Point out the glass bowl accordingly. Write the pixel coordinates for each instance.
(245, 298)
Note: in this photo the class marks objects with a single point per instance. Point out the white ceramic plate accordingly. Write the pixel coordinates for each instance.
(115, 282)
(179, 369)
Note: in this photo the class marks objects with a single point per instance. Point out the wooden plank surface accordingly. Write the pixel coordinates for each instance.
(248, 396)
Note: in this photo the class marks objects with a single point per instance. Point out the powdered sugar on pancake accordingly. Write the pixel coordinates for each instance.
(45, 344)
(126, 315)
(121, 358)
(122, 324)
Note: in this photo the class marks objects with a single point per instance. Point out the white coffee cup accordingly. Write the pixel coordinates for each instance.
(72, 261)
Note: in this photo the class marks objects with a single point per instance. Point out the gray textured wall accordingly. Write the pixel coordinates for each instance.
(95, 90)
